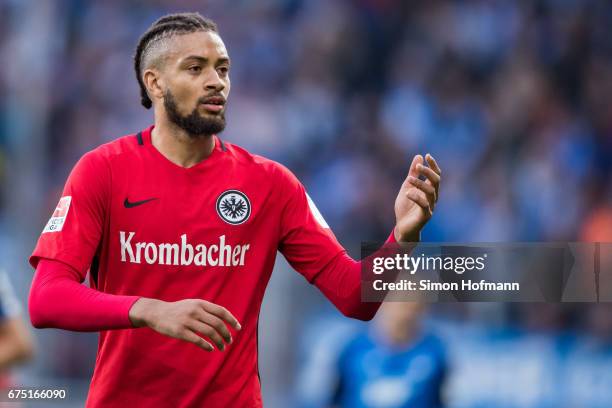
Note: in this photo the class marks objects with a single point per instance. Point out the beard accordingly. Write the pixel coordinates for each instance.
(195, 124)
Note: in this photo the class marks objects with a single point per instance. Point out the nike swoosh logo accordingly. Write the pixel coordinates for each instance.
(128, 204)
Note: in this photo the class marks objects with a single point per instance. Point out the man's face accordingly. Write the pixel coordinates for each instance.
(197, 84)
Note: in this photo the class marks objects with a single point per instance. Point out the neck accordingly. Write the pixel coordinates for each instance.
(178, 147)
(397, 335)
(399, 338)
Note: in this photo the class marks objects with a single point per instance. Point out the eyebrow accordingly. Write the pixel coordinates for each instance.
(222, 60)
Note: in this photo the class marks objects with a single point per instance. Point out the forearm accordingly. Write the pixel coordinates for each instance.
(340, 281)
(15, 343)
(58, 299)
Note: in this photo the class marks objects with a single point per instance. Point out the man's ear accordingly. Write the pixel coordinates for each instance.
(154, 83)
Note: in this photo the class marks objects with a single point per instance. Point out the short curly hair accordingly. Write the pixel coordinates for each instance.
(164, 28)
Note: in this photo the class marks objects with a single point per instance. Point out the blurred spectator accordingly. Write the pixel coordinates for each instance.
(597, 225)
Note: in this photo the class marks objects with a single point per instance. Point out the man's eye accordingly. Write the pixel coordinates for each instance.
(223, 70)
(195, 69)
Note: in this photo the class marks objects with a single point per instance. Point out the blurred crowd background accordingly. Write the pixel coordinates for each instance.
(513, 99)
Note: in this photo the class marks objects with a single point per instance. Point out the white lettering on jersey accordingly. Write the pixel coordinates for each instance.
(316, 213)
(56, 222)
(183, 254)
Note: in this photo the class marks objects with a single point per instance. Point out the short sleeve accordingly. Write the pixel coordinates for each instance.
(73, 232)
(306, 240)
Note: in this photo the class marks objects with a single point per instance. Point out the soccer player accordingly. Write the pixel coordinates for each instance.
(179, 231)
(397, 363)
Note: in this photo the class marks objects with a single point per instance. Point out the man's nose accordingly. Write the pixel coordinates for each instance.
(214, 82)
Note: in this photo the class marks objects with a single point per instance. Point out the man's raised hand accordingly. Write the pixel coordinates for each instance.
(416, 199)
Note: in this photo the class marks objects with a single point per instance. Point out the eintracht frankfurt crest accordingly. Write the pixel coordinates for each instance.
(233, 207)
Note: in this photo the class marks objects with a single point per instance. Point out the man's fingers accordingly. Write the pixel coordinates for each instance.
(416, 160)
(431, 175)
(420, 199)
(207, 331)
(217, 324)
(433, 164)
(222, 313)
(191, 337)
(427, 188)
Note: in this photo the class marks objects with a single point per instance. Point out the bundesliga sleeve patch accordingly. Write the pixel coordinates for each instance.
(56, 222)
(316, 213)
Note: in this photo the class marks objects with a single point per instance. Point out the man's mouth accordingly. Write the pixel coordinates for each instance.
(213, 104)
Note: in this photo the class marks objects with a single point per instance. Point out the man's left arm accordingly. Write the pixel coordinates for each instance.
(15, 341)
(312, 249)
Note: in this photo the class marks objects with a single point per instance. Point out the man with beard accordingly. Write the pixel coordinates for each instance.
(179, 231)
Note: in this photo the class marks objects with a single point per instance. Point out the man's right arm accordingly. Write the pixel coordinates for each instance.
(59, 300)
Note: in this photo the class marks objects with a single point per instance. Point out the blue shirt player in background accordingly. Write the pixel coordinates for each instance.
(396, 362)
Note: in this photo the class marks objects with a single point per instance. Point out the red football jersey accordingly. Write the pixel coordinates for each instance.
(148, 227)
